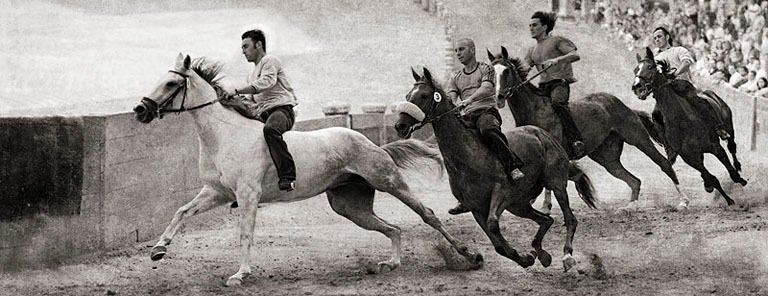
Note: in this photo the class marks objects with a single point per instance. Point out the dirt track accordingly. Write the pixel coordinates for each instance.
(305, 249)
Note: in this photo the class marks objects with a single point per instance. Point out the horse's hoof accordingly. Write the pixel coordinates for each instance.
(158, 252)
(568, 262)
(234, 281)
(743, 182)
(709, 189)
(477, 259)
(493, 225)
(386, 266)
(544, 258)
(682, 205)
(527, 260)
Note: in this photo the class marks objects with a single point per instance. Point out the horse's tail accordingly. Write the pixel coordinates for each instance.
(407, 153)
(583, 184)
(650, 126)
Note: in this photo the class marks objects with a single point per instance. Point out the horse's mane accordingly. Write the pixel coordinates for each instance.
(210, 71)
(520, 66)
(666, 69)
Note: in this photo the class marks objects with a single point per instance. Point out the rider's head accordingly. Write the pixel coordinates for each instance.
(465, 50)
(254, 45)
(661, 37)
(542, 23)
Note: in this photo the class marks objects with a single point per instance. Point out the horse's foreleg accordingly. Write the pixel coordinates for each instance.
(497, 207)
(248, 199)
(608, 155)
(544, 222)
(207, 199)
(732, 171)
(500, 244)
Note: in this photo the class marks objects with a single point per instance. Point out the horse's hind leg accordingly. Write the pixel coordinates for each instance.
(544, 222)
(608, 155)
(388, 179)
(696, 160)
(732, 171)
(570, 224)
(355, 202)
(207, 199)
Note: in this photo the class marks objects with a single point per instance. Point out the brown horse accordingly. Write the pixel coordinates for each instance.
(685, 133)
(605, 122)
(477, 178)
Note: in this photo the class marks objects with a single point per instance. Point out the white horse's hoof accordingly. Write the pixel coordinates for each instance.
(568, 262)
(386, 266)
(234, 281)
(683, 205)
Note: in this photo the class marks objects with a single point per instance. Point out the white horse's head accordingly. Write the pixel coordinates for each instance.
(181, 89)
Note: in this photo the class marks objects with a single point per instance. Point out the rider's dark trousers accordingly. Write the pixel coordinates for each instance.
(488, 121)
(559, 91)
(277, 121)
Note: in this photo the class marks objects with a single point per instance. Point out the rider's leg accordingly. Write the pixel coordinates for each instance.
(709, 114)
(489, 125)
(559, 94)
(280, 120)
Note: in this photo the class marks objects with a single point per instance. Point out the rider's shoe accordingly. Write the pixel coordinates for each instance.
(459, 209)
(516, 174)
(578, 149)
(724, 135)
(287, 185)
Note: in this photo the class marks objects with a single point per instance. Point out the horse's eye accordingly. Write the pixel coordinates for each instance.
(650, 67)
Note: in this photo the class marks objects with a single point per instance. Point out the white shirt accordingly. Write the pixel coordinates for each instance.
(675, 56)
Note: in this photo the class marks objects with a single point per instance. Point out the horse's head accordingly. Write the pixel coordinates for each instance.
(190, 81)
(510, 73)
(420, 106)
(648, 74)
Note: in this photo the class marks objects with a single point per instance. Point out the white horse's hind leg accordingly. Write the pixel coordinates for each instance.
(207, 199)
(248, 199)
(355, 202)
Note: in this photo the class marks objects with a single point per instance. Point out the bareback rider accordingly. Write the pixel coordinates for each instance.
(473, 88)
(555, 54)
(680, 60)
(268, 96)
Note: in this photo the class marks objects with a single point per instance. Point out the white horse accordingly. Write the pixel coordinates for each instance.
(235, 165)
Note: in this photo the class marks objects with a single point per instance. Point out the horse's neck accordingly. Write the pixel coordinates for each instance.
(525, 105)
(453, 137)
(672, 106)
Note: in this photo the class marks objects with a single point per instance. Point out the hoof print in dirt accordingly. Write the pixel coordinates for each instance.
(591, 265)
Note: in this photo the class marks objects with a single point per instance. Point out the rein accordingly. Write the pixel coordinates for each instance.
(649, 86)
(160, 108)
(510, 90)
(427, 119)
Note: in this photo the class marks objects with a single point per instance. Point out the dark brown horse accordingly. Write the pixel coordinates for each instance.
(685, 133)
(478, 180)
(605, 123)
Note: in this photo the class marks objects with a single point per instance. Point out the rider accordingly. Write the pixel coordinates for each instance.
(680, 59)
(269, 96)
(555, 53)
(473, 88)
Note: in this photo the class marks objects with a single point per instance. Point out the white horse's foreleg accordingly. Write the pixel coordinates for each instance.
(250, 197)
(207, 199)
(546, 206)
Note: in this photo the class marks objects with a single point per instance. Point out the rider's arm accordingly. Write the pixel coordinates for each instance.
(452, 90)
(487, 84)
(568, 49)
(687, 60)
(266, 80)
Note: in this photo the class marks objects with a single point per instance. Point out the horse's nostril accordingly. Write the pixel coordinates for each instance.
(140, 109)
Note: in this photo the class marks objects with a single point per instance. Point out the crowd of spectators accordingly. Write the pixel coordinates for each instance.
(728, 38)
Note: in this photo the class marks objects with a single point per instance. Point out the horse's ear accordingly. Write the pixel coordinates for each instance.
(504, 53)
(179, 60)
(637, 55)
(490, 55)
(427, 75)
(187, 62)
(415, 75)
(648, 52)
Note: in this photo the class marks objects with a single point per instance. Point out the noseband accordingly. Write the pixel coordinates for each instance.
(160, 109)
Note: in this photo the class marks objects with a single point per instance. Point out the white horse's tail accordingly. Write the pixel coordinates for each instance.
(407, 153)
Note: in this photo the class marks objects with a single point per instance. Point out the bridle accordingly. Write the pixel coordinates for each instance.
(433, 106)
(512, 89)
(648, 86)
(160, 109)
